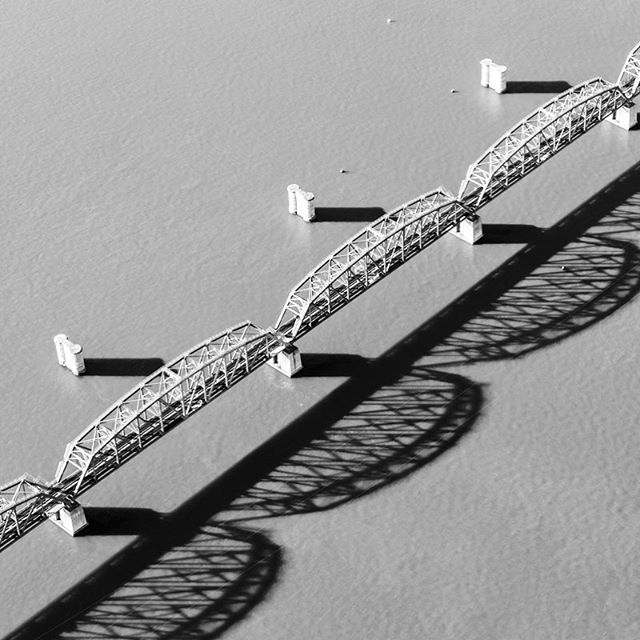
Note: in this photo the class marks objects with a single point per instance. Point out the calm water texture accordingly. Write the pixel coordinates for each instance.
(146, 150)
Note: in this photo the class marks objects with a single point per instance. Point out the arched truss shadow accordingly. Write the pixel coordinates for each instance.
(569, 278)
(196, 589)
(398, 428)
(582, 283)
(391, 417)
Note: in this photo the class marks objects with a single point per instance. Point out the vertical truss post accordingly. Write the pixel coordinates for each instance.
(287, 358)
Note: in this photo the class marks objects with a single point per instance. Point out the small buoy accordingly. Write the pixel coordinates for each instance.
(389, 20)
(343, 171)
(563, 268)
(453, 91)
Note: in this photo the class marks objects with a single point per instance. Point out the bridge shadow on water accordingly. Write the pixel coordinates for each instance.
(510, 234)
(348, 214)
(578, 284)
(198, 570)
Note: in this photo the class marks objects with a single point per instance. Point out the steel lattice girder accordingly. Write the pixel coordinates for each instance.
(366, 257)
(537, 137)
(24, 503)
(629, 78)
(173, 392)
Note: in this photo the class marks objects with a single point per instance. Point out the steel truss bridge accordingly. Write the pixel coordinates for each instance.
(198, 376)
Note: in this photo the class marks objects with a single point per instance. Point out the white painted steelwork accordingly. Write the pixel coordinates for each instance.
(537, 137)
(366, 257)
(24, 503)
(629, 78)
(169, 395)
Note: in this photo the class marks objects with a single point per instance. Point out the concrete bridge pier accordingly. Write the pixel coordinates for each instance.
(288, 361)
(468, 229)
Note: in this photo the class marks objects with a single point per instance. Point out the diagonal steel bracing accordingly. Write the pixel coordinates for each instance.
(169, 395)
(366, 257)
(24, 503)
(537, 137)
(629, 78)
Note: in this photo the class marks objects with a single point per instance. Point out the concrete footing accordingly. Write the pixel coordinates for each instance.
(301, 202)
(288, 361)
(624, 117)
(69, 354)
(468, 229)
(69, 516)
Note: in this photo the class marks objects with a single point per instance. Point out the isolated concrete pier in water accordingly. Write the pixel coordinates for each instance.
(201, 374)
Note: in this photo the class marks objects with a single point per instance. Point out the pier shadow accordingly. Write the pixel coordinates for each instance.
(120, 521)
(510, 233)
(537, 86)
(331, 365)
(348, 214)
(122, 366)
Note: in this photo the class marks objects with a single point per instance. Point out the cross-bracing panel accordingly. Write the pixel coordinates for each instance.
(629, 78)
(169, 395)
(539, 136)
(23, 505)
(366, 257)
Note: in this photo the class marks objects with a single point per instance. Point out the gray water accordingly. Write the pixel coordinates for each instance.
(145, 157)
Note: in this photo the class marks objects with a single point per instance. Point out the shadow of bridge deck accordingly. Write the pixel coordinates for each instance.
(196, 571)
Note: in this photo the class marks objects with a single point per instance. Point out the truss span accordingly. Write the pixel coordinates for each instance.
(539, 136)
(629, 78)
(24, 504)
(193, 379)
(158, 403)
(366, 257)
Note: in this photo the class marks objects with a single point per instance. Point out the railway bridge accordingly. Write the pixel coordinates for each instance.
(197, 377)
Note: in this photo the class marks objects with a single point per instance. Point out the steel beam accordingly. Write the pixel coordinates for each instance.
(537, 138)
(366, 258)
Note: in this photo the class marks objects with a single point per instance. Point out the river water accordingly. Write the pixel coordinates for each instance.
(146, 151)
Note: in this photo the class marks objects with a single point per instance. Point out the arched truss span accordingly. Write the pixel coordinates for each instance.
(366, 257)
(540, 135)
(23, 505)
(629, 78)
(173, 392)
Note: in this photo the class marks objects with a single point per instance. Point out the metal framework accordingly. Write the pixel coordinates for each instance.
(169, 395)
(24, 503)
(367, 257)
(629, 78)
(539, 136)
